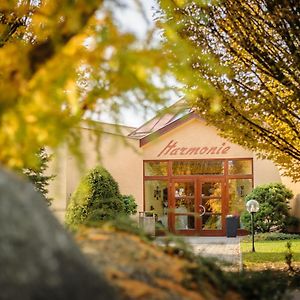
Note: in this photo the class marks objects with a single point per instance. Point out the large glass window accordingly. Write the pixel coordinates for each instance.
(211, 222)
(240, 167)
(211, 200)
(238, 190)
(183, 222)
(198, 167)
(156, 200)
(192, 194)
(156, 168)
(184, 205)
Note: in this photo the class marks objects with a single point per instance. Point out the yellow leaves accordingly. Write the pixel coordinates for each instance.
(30, 118)
(74, 45)
(41, 26)
(180, 3)
(170, 33)
(215, 104)
(140, 72)
(72, 96)
(13, 62)
(10, 5)
(43, 96)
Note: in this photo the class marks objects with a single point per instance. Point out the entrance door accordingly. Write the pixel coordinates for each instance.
(183, 207)
(196, 207)
(212, 204)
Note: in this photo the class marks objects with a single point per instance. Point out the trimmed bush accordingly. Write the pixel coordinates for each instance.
(273, 214)
(273, 236)
(97, 198)
(130, 205)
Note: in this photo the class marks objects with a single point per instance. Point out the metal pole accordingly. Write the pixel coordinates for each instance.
(252, 219)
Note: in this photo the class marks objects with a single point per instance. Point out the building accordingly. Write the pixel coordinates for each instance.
(174, 165)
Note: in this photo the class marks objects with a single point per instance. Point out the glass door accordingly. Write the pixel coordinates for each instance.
(183, 206)
(197, 207)
(211, 195)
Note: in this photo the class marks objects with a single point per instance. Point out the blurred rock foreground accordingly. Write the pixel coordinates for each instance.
(141, 270)
(39, 260)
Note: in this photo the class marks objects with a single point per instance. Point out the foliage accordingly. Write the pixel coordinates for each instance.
(289, 257)
(60, 60)
(244, 71)
(249, 284)
(273, 236)
(269, 255)
(97, 198)
(37, 175)
(206, 269)
(199, 276)
(268, 252)
(125, 224)
(130, 204)
(257, 285)
(274, 208)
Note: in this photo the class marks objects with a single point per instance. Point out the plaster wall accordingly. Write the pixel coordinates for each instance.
(57, 186)
(295, 202)
(123, 158)
(265, 172)
(120, 155)
(196, 134)
(193, 134)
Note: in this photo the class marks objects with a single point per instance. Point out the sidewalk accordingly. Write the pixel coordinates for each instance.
(223, 248)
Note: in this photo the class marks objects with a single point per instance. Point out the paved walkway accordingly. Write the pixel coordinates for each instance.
(223, 248)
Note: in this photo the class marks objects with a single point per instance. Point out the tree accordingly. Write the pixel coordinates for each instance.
(274, 210)
(97, 198)
(37, 175)
(58, 61)
(253, 96)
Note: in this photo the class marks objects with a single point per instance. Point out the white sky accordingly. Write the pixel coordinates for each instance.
(131, 20)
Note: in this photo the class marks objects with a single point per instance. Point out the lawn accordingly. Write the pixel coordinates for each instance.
(269, 254)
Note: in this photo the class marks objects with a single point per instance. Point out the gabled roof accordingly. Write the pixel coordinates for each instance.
(168, 127)
(166, 120)
(163, 118)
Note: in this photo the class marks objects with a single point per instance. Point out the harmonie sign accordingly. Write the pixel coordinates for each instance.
(174, 149)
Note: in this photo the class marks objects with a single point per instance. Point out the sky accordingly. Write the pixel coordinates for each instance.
(130, 19)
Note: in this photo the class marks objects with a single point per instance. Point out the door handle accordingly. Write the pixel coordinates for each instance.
(203, 210)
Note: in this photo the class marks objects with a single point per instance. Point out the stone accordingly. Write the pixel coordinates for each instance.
(38, 258)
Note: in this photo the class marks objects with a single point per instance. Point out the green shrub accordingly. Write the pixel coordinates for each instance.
(97, 198)
(130, 205)
(274, 209)
(273, 236)
(262, 285)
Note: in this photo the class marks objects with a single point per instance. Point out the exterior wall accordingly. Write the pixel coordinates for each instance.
(191, 134)
(195, 133)
(118, 154)
(295, 202)
(123, 158)
(265, 172)
(57, 187)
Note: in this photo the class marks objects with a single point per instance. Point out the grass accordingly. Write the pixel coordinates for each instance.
(269, 254)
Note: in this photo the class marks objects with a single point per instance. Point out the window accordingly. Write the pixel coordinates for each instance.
(198, 167)
(240, 167)
(238, 190)
(156, 168)
(156, 200)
